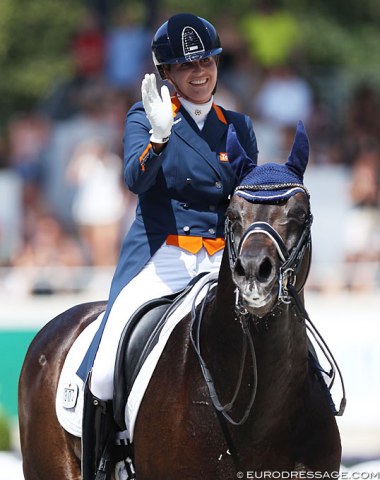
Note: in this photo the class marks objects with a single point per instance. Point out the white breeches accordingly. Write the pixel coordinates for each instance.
(168, 271)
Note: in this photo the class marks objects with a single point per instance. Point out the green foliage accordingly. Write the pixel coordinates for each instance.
(351, 48)
(210, 9)
(328, 42)
(35, 36)
(34, 42)
(5, 432)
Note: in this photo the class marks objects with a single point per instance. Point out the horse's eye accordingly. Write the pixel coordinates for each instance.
(232, 215)
(302, 216)
(298, 216)
(305, 215)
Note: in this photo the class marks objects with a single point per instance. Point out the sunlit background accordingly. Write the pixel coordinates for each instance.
(70, 70)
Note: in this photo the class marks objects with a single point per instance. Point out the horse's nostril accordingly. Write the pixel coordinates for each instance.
(253, 269)
(265, 270)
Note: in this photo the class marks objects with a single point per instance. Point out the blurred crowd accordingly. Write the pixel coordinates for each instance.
(66, 208)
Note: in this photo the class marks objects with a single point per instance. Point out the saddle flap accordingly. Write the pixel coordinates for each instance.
(137, 340)
(139, 337)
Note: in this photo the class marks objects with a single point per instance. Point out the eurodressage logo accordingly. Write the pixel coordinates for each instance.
(250, 474)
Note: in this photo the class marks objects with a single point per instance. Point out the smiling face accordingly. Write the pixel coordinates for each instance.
(195, 81)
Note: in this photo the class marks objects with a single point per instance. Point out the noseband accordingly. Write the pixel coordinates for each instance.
(291, 259)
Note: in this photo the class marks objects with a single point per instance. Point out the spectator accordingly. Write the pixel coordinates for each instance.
(237, 72)
(47, 247)
(283, 98)
(363, 121)
(98, 205)
(87, 55)
(88, 48)
(362, 229)
(92, 122)
(127, 51)
(28, 135)
(11, 208)
(271, 33)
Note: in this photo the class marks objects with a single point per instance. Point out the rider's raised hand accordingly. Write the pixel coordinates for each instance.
(158, 109)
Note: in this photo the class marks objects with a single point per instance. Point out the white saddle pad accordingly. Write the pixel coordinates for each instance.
(69, 399)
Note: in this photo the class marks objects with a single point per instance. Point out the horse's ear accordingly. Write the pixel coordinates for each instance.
(237, 156)
(299, 155)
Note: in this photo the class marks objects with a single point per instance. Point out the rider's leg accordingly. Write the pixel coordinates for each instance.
(169, 270)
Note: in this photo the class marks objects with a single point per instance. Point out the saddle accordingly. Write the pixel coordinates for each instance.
(139, 337)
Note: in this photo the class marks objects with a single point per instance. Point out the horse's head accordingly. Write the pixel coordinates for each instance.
(268, 229)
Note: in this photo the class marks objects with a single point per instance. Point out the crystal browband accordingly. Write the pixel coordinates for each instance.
(276, 186)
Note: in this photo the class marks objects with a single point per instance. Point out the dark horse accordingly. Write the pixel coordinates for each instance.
(234, 393)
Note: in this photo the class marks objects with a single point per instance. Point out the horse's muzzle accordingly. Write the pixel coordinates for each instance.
(256, 276)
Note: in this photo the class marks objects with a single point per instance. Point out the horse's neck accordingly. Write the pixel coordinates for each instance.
(281, 349)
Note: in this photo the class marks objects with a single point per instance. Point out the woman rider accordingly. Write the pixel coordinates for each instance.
(175, 160)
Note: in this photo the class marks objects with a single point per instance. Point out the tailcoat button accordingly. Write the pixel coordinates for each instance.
(218, 184)
(186, 229)
(211, 230)
(189, 180)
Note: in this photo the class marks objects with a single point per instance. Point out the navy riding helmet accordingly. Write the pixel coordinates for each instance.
(184, 38)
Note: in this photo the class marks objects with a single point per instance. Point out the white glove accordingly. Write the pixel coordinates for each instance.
(157, 109)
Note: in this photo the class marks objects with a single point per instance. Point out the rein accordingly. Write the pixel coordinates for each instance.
(247, 341)
(302, 313)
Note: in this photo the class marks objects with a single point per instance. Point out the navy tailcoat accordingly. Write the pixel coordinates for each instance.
(184, 190)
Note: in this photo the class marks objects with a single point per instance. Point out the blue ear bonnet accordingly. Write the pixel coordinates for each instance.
(269, 182)
(272, 182)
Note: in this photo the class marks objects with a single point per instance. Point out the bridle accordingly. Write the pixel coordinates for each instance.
(291, 261)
